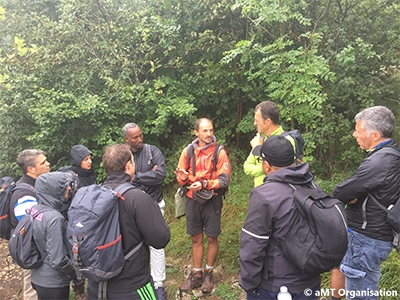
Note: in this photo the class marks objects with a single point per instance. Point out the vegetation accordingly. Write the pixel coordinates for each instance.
(75, 71)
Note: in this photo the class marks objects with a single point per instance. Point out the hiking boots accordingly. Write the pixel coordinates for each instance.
(208, 283)
(195, 280)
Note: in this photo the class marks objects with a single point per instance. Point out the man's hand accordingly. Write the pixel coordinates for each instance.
(256, 141)
(181, 174)
(196, 186)
(155, 167)
(353, 201)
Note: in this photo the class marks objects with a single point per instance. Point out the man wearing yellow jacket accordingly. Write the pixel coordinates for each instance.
(266, 119)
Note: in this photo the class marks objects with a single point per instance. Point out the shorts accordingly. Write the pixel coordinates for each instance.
(205, 216)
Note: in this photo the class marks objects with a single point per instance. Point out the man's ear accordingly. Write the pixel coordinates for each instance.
(128, 166)
(376, 136)
(31, 170)
(266, 167)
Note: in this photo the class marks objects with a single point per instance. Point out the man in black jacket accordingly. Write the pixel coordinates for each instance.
(140, 219)
(378, 176)
(32, 163)
(271, 213)
(150, 172)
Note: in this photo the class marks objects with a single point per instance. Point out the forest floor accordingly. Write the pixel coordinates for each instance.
(11, 281)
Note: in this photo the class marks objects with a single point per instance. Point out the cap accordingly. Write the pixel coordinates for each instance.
(276, 150)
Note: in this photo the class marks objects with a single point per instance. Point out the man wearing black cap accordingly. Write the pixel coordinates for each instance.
(271, 213)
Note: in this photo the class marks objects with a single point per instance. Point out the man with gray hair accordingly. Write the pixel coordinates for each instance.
(150, 172)
(32, 163)
(377, 180)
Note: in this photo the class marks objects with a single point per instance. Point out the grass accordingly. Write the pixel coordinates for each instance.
(234, 211)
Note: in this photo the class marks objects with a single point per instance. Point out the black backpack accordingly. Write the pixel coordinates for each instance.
(94, 234)
(317, 241)
(22, 246)
(8, 186)
(298, 142)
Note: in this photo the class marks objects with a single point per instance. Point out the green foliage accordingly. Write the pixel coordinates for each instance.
(226, 291)
(77, 71)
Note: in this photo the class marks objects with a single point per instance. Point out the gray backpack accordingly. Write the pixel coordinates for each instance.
(22, 245)
(94, 234)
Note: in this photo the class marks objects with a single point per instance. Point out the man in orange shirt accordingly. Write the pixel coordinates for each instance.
(196, 172)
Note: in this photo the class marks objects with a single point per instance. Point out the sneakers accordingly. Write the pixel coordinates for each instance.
(195, 280)
(160, 294)
(208, 283)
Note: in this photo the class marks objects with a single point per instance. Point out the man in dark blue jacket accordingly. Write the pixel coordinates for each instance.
(378, 176)
(149, 177)
(271, 213)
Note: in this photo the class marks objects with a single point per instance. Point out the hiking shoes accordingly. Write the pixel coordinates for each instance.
(208, 283)
(195, 280)
(160, 294)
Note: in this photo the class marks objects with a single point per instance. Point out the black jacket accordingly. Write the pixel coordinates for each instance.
(378, 174)
(146, 178)
(140, 219)
(270, 216)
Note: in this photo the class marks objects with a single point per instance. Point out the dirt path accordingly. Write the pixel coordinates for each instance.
(10, 275)
(11, 279)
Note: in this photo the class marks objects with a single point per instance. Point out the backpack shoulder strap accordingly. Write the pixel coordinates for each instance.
(214, 159)
(124, 187)
(134, 250)
(364, 209)
(121, 189)
(23, 185)
(149, 154)
(377, 202)
(190, 155)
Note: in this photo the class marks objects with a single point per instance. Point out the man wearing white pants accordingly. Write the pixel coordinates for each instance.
(150, 172)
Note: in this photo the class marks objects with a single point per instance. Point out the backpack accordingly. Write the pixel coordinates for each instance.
(94, 234)
(190, 156)
(298, 143)
(22, 246)
(317, 240)
(393, 210)
(8, 186)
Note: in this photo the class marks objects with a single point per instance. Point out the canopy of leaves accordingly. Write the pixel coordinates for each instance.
(75, 71)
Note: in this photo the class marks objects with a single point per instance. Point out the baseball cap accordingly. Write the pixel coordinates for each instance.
(276, 150)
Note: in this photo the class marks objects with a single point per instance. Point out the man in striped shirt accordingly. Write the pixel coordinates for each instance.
(32, 163)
